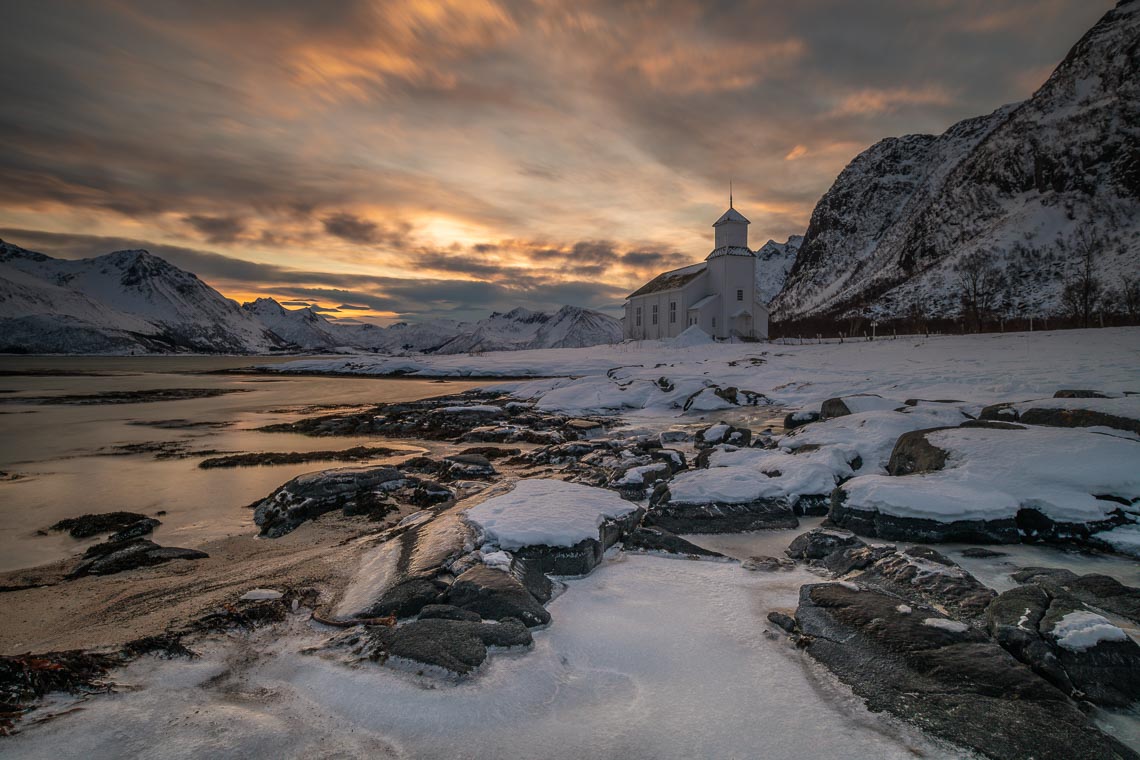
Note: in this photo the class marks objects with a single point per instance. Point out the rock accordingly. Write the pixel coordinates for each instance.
(1003, 412)
(261, 458)
(458, 646)
(659, 540)
(992, 425)
(894, 528)
(667, 437)
(820, 542)
(407, 598)
(1094, 589)
(925, 576)
(722, 432)
(783, 621)
(844, 561)
(946, 678)
(467, 466)
(584, 556)
(794, 420)
(763, 514)
(313, 494)
(491, 452)
(496, 595)
(109, 558)
(1026, 620)
(977, 552)
(448, 612)
(530, 575)
(139, 529)
(913, 453)
(86, 526)
(1078, 394)
(1072, 418)
(768, 564)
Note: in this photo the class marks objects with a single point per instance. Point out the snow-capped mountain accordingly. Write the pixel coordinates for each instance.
(774, 261)
(1017, 186)
(123, 302)
(569, 327)
(135, 302)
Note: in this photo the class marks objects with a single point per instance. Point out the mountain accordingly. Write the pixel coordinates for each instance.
(123, 302)
(1026, 187)
(774, 262)
(569, 327)
(134, 302)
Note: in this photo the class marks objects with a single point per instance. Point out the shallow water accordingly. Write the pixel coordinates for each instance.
(61, 452)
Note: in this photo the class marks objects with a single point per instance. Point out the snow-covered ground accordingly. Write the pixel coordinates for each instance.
(647, 658)
(978, 369)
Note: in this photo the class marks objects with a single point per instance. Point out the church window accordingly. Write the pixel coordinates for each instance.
(638, 316)
(714, 323)
(740, 295)
(654, 313)
(672, 312)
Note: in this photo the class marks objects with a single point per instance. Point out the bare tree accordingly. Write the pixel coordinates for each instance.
(1129, 297)
(979, 284)
(1083, 292)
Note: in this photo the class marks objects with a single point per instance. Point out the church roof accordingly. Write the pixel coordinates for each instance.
(670, 280)
(704, 301)
(732, 215)
(729, 250)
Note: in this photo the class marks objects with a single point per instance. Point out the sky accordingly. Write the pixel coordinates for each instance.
(414, 159)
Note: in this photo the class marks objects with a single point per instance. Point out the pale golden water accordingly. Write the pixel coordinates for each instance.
(60, 452)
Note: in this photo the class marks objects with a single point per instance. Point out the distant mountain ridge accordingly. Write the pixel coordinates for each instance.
(1016, 186)
(135, 302)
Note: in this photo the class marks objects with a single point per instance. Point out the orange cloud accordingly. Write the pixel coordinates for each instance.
(876, 101)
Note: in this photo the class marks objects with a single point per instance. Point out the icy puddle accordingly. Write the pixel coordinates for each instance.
(647, 658)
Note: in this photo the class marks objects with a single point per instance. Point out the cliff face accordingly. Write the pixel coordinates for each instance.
(1017, 186)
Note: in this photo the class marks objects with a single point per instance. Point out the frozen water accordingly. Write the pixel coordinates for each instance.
(647, 658)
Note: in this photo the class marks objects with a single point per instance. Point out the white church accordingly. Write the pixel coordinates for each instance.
(718, 295)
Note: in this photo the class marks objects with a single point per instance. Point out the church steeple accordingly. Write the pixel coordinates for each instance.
(731, 228)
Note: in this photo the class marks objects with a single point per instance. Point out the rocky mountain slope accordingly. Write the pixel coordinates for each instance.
(774, 263)
(1018, 186)
(123, 302)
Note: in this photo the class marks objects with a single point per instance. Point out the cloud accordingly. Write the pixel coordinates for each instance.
(358, 230)
(217, 229)
(352, 307)
(875, 101)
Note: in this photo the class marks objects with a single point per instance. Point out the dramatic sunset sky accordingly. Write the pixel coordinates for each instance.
(449, 157)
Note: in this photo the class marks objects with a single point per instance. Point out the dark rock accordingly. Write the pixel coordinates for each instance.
(1078, 394)
(1003, 412)
(844, 561)
(86, 526)
(495, 595)
(313, 494)
(492, 452)
(427, 492)
(448, 612)
(1023, 620)
(139, 529)
(920, 401)
(767, 564)
(468, 466)
(922, 575)
(584, 556)
(913, 453)
(407, 598)
(977, 552)
(1035, 526)
(259, 458)
(957, 686)
(820, 542)
(893, 528)
(110, 558)
(649, 539)
(530, 575)
(722, 432)
(763, 514)
(794, 420)
(1074, 418)
(1094, 589)
(458, 646)
(786, 622)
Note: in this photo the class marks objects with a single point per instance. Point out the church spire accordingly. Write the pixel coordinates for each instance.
(730, 193)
